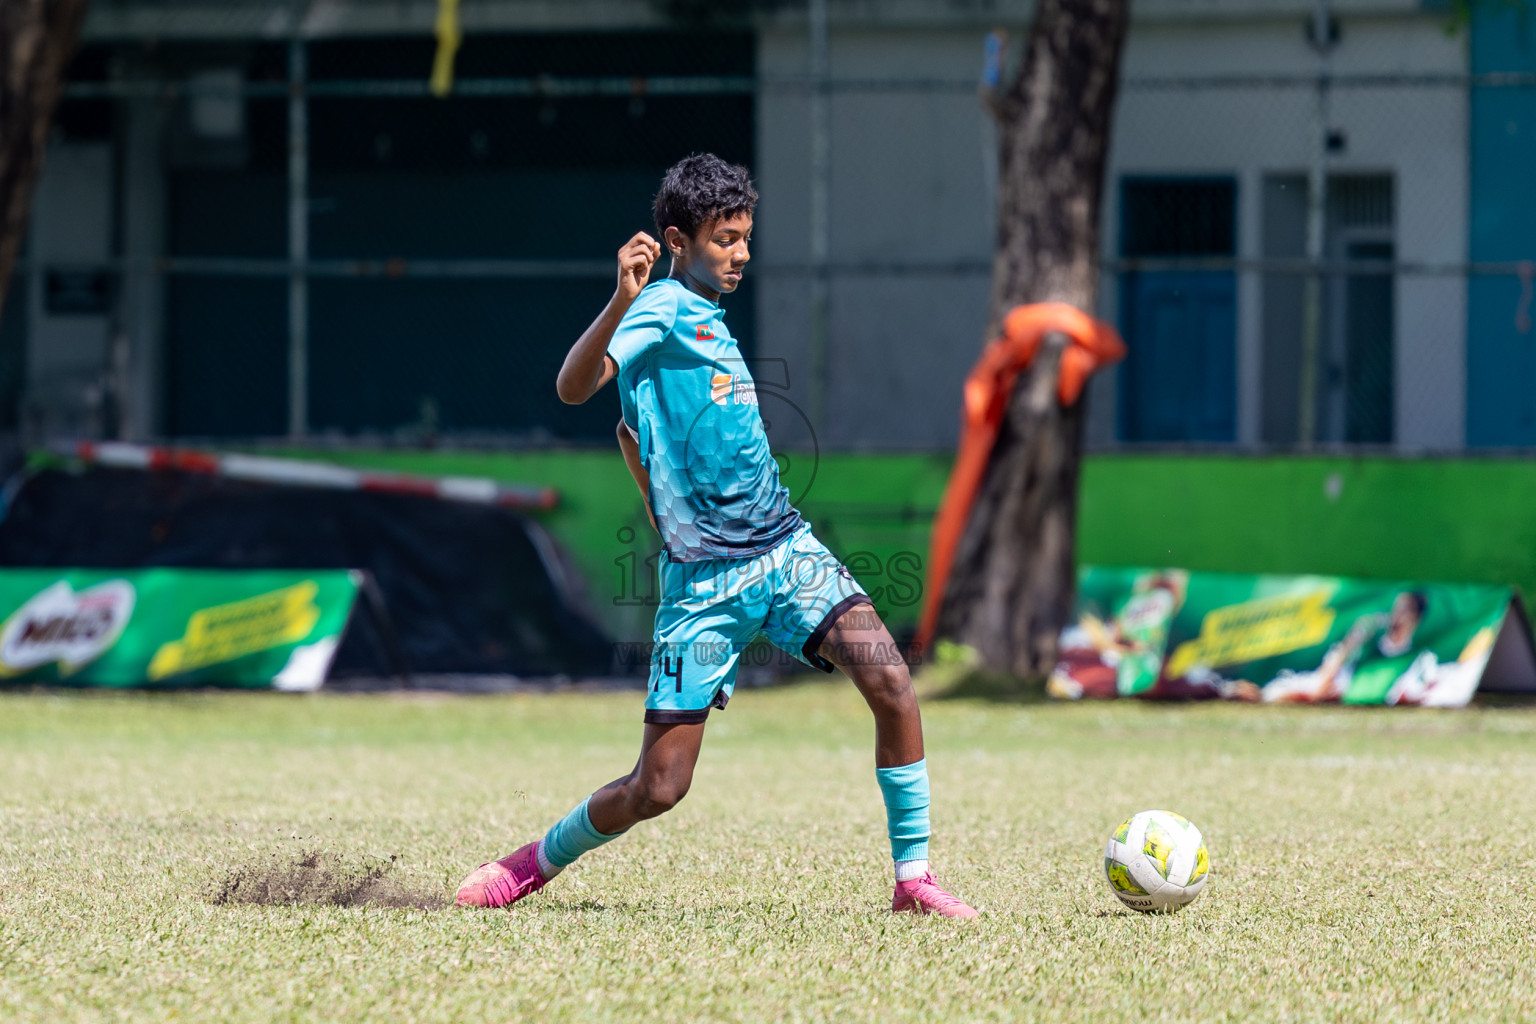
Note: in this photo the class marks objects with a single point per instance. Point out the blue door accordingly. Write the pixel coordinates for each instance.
(1179, 382)
(1180, 377)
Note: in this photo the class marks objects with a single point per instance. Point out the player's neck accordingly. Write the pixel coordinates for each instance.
(680, 274)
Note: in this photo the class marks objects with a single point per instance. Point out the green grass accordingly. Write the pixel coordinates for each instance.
(1367, 864)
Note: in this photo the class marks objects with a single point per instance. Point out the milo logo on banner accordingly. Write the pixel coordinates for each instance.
(62, 625)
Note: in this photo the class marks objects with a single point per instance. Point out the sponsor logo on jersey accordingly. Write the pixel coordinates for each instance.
(58, 624)
(730, 389)
(705, 333)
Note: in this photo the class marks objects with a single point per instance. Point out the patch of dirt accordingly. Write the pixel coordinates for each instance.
(318, 878)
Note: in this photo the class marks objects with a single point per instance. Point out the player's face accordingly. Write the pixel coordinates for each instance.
(717, 255)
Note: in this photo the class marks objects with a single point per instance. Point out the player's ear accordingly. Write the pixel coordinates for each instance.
(675, 240)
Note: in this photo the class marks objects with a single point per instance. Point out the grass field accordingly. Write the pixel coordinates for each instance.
(1367, 865)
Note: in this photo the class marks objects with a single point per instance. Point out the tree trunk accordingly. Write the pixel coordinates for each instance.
(1011, 586)
(37, 39)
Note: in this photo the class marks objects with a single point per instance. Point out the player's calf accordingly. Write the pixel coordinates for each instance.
(660, 779)
(900, 767)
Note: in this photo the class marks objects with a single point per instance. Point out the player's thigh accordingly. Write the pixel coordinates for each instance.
(701, 629)
(693, 667)
(859, 636)
(814, 593)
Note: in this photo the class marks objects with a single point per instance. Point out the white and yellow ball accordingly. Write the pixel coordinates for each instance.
(1156, 862)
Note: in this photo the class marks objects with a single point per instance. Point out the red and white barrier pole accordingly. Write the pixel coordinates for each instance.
(299, 473)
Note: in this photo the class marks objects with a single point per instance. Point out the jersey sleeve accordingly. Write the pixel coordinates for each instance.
(648, 321)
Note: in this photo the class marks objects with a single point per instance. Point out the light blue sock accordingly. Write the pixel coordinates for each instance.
(572, 836)
(905, 789)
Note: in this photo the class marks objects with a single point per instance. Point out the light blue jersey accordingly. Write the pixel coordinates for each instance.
(686, 392)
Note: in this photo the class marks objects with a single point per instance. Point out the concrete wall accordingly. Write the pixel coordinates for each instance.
(246, 19)
(911, 188)
(913, 184)
(1417, 134)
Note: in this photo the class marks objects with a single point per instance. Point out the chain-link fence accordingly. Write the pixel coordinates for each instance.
(296, 239)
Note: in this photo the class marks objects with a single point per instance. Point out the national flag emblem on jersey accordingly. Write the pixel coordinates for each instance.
(705, 333)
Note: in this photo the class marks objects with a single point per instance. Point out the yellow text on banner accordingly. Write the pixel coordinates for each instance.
(229, 631)
(1255, 630)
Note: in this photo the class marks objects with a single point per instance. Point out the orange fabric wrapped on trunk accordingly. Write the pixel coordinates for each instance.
(988, 388)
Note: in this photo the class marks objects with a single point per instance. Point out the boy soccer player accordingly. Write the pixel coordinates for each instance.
(737, 561)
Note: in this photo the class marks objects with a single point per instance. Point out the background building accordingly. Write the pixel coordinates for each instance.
(255, 222)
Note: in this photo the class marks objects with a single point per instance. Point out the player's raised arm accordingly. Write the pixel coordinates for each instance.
(587, 365)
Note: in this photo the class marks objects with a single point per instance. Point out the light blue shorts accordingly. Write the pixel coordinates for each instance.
(711, 610)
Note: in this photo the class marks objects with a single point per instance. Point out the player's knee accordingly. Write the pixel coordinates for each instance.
(650, 797)
(888, 687)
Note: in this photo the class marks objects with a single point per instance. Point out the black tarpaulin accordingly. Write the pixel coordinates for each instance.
(468, 588)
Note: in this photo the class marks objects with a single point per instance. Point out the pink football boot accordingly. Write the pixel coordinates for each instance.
(502, 883)
(922, 895)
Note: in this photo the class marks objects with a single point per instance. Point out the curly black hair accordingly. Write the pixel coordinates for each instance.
(700, 189)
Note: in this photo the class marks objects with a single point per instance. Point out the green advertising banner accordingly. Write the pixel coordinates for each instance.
(1290, 639)
(173, 627)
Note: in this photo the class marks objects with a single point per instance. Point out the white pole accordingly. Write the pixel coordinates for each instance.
(821, 198)
(298, 234)
(1317, 213)
(143, 220)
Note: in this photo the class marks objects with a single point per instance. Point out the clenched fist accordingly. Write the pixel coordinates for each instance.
(636, 258)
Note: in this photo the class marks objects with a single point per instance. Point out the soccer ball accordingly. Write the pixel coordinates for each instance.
(1156, 862)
